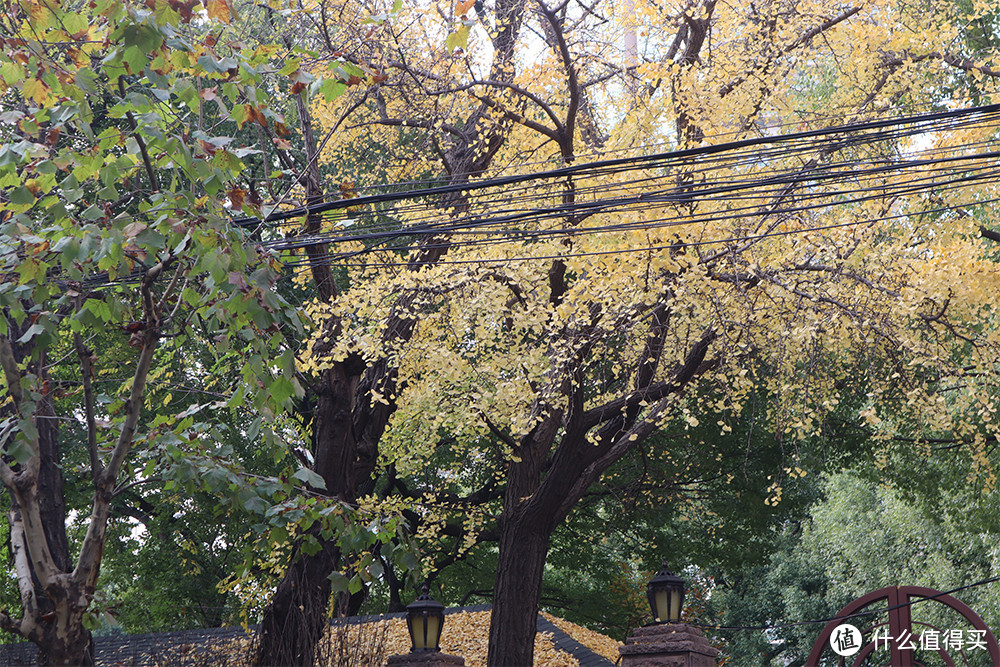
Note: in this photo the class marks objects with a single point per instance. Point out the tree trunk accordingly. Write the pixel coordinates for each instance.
(524, 545)
(53, 615)
(295, 620)
(64, 639)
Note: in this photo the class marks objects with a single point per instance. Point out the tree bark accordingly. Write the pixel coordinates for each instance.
(52, 611)
(65, 641)
(524, 546)
(293, 626)
(295, 619)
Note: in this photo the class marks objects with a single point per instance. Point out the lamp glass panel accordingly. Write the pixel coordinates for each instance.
(675, 606)
(662, 605)
(433, 631)
(418, 633)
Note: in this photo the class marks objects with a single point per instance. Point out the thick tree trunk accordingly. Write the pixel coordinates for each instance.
(524, 546)
(64, 640)
(52, 616)
(296, 618)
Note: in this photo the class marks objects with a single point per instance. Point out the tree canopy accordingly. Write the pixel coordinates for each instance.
(487, 265)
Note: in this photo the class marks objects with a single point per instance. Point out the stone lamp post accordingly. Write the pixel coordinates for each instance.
(667, 642)
(424, 621)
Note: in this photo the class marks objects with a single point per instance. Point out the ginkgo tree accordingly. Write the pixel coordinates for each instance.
(555, 345)
(121, 171)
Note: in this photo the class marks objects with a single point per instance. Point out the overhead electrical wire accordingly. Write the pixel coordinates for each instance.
(622, 251)
(691, 192)
(499, 224)
(513, 201)
(805, 118)
(497, 229)
(754, 179)
(852, 134)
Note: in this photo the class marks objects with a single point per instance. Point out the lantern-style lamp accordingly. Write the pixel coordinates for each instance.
(666, 596)
(424, 619)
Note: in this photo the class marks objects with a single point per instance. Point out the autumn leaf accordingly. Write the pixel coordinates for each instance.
(38, 91)
(256, 115)
(458, 39)
(208, 147)
(220, 10)
(183, 7)
(238, 281)
(240, 114)
(133, 229)
(236, 196)
(254, 198)
(462, 7)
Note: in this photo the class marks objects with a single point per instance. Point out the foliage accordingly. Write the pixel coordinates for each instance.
(546, 350)
(859, 538)
(538, 375)
(122, 167)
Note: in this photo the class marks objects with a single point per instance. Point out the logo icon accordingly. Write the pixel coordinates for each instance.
(845, 640)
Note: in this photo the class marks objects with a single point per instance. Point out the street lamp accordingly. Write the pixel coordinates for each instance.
(666, 596)
(424, 620)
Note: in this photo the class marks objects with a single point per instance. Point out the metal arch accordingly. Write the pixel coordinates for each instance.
(898, 599)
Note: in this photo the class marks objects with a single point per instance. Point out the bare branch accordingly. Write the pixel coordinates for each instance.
(424, 124)
(989, 234)
(572, 84)
(655, 391)
(87, 372)
(803, 39)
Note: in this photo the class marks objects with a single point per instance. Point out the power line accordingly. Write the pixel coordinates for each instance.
(622, 251)
(494, 225)
(917, 124)
(653, 192)
(805, 118)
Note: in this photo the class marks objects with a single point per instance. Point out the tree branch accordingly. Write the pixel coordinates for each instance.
(154, 183)
(804, 38)
(87, 372)
(573, 86)
(88, 563)
(11, 372)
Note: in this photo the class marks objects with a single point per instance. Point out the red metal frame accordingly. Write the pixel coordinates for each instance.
(898, 604)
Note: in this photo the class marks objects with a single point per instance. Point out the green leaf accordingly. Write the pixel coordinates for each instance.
(19, 449)
(256, 505)
(21, 196)
(309, 477)
(458, 39)
(278, 535)
(210, 64)
(310, 546)
(331, 89)
(33, 330)
(339, 583)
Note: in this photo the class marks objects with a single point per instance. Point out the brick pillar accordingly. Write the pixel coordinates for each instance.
(668, 645)
(425, 659)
